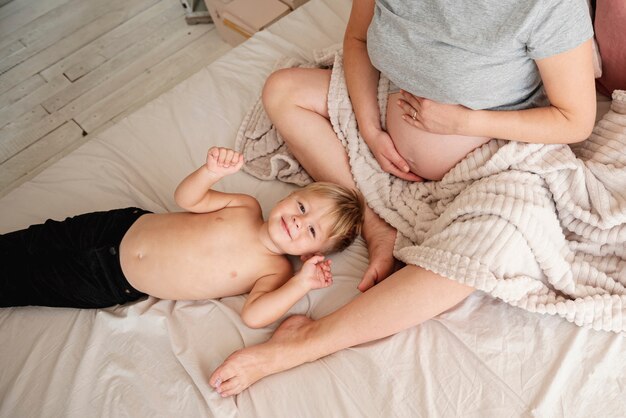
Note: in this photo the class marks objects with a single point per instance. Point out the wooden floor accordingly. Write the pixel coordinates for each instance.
(71, 68)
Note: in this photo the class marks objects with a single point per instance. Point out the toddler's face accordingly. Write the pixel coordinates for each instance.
(300, 224)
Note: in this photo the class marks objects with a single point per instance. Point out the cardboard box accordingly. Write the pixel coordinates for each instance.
(294, 4)
(237, 20)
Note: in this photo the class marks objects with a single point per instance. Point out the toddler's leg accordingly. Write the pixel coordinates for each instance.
(32, 274)
(70, 263)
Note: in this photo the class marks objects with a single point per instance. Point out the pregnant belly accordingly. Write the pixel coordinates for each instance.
(429, 155)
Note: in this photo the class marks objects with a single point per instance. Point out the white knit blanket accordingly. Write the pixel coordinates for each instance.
(541, 227)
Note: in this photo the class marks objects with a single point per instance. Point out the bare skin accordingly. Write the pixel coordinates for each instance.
(407, 297)
(196, 255)
(185, 256)
(295, 100)
(428, 155)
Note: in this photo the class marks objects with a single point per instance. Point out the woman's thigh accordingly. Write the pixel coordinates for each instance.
(429, 155)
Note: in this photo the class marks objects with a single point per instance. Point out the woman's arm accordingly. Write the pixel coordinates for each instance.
(569, 83)
(362, 81)
(361, 76)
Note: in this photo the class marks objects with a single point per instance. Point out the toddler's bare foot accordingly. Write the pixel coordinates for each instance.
(246, 366)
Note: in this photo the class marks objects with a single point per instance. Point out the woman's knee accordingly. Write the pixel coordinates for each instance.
(306, 88)
(279, 89)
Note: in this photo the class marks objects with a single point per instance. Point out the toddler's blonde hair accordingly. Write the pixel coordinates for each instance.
(348, 212)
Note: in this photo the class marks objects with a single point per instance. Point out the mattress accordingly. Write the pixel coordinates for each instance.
(483, 358)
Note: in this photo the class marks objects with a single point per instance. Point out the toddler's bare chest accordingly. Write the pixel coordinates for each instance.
(232, 242)
(227, 232)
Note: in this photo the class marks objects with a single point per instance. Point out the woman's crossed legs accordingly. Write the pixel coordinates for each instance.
(295, 100)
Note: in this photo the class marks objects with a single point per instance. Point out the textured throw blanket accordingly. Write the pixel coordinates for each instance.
(542, 227)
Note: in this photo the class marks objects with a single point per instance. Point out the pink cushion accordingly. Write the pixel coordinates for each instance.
(610, 29)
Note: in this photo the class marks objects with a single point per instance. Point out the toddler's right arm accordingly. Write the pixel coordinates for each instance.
(194, 192)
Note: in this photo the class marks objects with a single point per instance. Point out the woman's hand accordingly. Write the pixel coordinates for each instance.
(388, 157)
(435, 117)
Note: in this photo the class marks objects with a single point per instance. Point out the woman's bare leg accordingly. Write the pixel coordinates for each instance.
(296, 101)
(407, 298)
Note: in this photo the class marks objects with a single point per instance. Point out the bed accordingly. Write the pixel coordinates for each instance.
(483, 358)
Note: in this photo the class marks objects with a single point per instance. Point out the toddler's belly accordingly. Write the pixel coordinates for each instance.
(429, 155)
(184, 256)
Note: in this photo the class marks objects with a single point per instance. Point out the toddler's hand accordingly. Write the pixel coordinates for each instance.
(315, 272)
(223, 161)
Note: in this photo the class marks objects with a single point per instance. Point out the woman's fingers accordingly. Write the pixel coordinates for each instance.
(390, 159)
(396, 160)
(409, 176)
(411, 111)
(411, 106)
(396, 171)
(411, 100)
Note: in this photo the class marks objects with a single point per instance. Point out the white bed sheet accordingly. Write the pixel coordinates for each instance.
(154, 357)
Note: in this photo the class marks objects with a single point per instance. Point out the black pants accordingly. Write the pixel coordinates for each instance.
(73, 263)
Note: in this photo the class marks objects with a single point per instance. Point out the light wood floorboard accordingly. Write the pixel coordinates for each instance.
(71, 68)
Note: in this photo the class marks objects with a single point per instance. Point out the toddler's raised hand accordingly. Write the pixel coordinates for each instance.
(316, 272)
(223, 161)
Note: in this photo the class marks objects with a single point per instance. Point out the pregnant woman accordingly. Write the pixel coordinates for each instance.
(463, 73)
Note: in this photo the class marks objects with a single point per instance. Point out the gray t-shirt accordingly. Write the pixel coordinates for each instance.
(478, 53)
